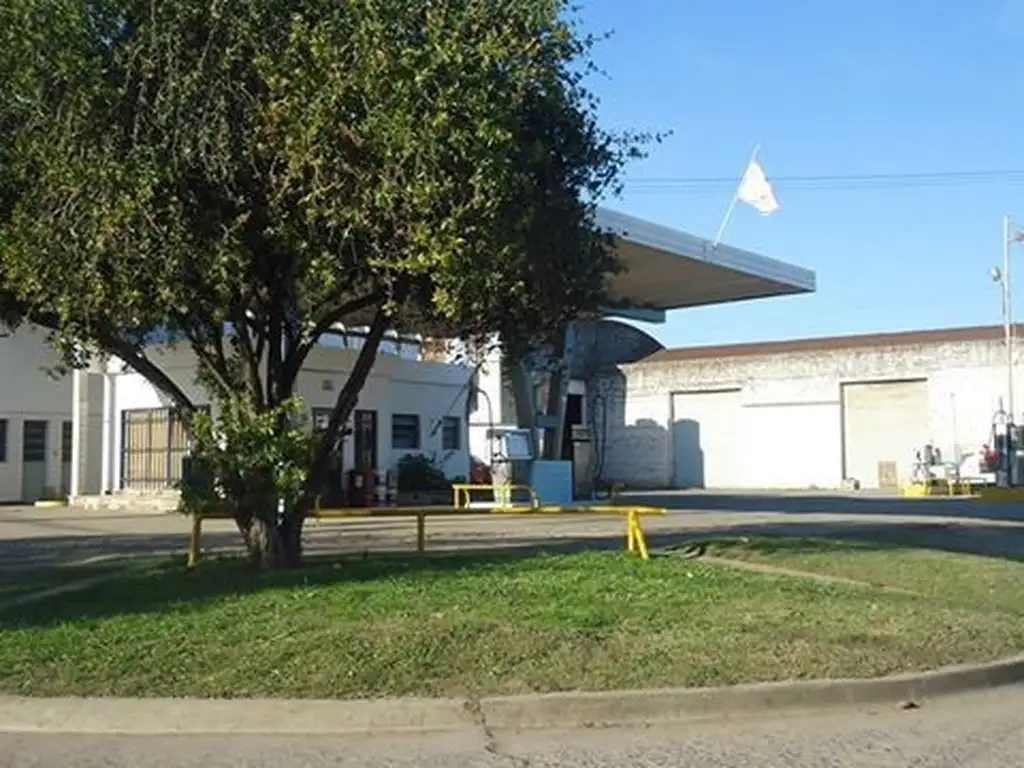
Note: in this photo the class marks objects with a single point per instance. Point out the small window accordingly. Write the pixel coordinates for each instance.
(451, 433)
(405, 431)
(66, 441)
(321, 418)
(3, 441)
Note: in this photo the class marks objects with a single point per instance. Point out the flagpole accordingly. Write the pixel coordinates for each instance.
(735, 197)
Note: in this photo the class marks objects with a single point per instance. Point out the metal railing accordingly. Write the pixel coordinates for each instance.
(636, 542)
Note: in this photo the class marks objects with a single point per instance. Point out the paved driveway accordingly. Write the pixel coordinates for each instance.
(39, 537)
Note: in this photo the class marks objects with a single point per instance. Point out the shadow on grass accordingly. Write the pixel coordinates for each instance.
(165, 584)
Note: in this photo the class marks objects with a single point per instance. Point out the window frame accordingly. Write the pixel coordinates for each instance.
(455, 423)
(398, 445)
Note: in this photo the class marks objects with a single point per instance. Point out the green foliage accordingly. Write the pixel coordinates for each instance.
(245, 458)
(418, 472)
(240, 177)
(281, 164)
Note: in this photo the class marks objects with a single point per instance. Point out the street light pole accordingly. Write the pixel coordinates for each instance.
(1008, 316)
(1011, 235)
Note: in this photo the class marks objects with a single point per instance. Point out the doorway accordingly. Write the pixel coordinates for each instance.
(573, 418)
(365, 441)
(66, 449)
(33, 460)
(333, 491)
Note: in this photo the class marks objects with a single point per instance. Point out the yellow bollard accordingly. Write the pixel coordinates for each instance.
(630, 535)
(637, 536)
(421, 533)
(194, 548)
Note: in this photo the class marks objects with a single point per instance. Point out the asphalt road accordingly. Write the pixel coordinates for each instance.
(43, 537)
(975, 731)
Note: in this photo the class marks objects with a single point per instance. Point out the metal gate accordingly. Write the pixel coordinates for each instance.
(153, 444)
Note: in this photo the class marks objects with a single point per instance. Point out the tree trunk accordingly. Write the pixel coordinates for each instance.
(344, 405)
(264, 543)
(273, 546)
(257, 520)
(523, 398)
(290, 531)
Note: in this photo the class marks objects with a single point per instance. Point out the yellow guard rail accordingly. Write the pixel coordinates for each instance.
(636, 543)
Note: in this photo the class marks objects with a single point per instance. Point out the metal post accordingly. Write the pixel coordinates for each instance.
(1008, 333)
(194, 546)
(1008, 317)
(74, 481)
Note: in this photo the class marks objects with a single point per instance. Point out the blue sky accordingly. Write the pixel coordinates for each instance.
(828, 88)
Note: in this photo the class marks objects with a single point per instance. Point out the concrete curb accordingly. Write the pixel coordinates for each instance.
(557, 710)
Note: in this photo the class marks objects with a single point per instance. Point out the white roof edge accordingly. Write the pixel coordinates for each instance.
(689, 246)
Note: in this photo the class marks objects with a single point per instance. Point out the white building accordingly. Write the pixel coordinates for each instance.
(129, 441)
(35, 420)
(803, 414)
(406, 406)
(665, 269)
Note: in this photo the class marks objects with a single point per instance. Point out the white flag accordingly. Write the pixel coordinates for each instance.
(756, 190)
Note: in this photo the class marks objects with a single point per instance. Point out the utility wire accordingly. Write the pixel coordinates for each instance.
(695, 185)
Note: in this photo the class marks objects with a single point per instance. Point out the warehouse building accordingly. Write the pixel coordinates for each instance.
(664, 269)
(805, 414)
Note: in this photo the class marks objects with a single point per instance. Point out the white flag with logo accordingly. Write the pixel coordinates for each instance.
(755, 190)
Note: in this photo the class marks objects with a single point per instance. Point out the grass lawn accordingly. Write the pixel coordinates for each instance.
(15, 585)
(464, 625)
(981, 583)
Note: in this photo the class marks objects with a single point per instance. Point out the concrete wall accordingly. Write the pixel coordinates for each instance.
(965, 383)
(29, 392)
(395, 385)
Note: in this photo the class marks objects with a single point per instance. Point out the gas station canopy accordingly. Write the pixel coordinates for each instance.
(669, 269)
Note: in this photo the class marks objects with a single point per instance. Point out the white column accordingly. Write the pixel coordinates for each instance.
(76, 433)
(107, 449)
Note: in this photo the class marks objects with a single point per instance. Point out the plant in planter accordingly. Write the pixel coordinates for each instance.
(421, 481)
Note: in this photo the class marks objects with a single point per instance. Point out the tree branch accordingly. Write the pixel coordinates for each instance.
(251, 357)
(344, 405)
(300, 352)
(215, 364)
(138, 362)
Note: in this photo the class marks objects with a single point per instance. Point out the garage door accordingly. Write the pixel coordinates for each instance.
(705, 439)
(793, 445)
(883, 423)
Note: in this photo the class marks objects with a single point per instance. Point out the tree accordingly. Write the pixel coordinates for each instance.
(241, 177)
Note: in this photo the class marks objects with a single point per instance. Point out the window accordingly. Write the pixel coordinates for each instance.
(321, 418)
(3, 440)
(405, 431)
(451, 433)
(66, 441)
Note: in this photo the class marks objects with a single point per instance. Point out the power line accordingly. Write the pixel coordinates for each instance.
(692, 185)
